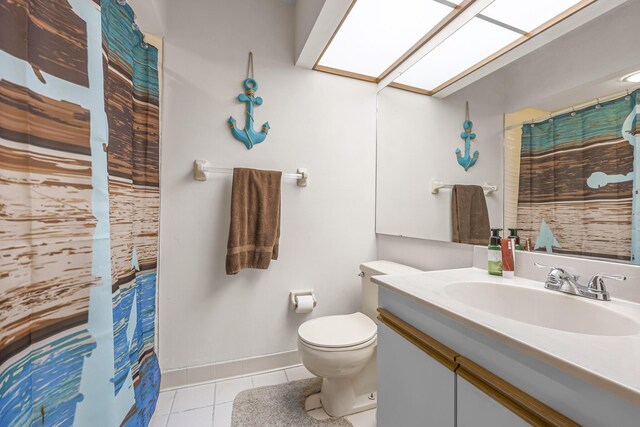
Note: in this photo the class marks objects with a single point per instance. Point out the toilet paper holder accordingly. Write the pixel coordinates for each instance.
(293, 295)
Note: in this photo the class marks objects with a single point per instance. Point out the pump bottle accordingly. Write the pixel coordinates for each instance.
(494, 253)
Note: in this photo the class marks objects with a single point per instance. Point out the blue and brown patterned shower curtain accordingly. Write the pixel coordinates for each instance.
(79, 199)
(580, 180)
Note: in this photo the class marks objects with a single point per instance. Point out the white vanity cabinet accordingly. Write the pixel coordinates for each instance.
(440, 370)
(422, 382)
(474, 408)
(416, 390)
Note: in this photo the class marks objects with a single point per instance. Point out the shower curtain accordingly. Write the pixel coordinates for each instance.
(79, 199)
(579, 181)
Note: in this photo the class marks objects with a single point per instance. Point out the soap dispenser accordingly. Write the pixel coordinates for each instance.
(494, 253)
(514, 236)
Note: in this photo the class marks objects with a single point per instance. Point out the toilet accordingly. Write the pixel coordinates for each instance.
(342, 349)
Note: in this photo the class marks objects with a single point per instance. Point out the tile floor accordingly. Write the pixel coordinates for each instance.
(209, 405)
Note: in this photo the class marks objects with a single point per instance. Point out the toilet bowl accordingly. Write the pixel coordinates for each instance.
(341, 349)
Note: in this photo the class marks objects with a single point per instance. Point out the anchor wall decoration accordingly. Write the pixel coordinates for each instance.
(467, 161)
(248, 136)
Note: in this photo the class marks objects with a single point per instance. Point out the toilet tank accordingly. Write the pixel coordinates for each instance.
(370, 289)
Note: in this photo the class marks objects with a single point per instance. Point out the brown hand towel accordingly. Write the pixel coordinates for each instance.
(255, 219)
(469, 215)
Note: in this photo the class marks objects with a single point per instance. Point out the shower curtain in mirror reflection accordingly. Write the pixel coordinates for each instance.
(79, 193)
(579, 175)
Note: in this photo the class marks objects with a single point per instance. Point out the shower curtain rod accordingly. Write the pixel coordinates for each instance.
(594, 101)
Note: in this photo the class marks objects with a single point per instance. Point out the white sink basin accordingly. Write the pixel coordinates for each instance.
(544, 308)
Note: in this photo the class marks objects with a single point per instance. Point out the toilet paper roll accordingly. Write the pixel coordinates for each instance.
(304, 304)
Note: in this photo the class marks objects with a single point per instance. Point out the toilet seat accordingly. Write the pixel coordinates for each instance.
(338, 332)
(338, 349)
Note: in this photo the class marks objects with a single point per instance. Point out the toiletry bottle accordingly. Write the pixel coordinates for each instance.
(514, 235)
(528, 244)
(508, 257)
(494, 253)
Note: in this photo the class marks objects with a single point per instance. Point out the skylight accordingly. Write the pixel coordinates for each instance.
(376, 36)
(378, 32)
(475, 41)
(526, 15)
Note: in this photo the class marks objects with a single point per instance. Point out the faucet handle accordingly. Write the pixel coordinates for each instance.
(596, 284)
(537, 264)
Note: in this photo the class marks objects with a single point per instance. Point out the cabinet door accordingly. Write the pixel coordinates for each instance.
(477, 409)
(414, 390)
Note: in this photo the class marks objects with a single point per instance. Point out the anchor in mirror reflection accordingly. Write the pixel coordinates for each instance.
(467, 161)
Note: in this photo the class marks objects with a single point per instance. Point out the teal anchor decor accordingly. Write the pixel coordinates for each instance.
(467, 161)
(248, 136)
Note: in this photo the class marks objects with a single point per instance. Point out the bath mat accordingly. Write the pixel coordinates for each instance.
(279, 405)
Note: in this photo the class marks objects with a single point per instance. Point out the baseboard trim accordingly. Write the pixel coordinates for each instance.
(191, 375)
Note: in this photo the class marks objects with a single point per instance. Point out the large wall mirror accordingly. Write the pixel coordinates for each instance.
(556, 132)
(417, 137)
(571, 176)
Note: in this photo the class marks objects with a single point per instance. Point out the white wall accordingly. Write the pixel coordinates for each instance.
(427, 255)
(581, 65)
(322, 122)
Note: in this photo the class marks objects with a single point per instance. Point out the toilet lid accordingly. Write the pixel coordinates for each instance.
(338, 331)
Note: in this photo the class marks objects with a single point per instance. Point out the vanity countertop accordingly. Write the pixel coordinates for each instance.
(608, 361)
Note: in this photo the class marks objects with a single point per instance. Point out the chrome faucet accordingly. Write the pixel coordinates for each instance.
(559, 280)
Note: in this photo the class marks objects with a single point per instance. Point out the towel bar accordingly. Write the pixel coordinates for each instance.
(201, 168)
(437, 185)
